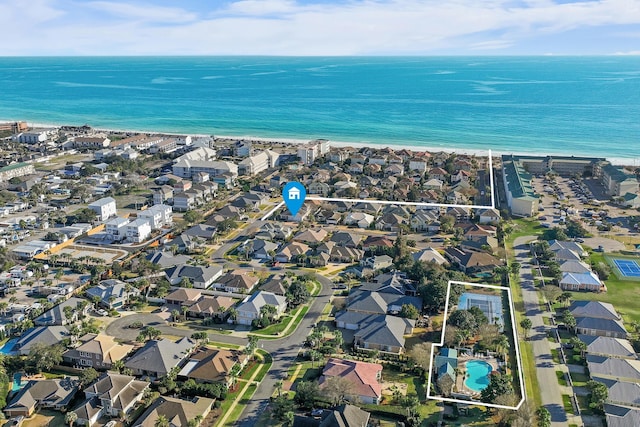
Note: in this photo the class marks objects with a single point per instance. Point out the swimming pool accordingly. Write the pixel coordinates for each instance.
(477, 375)
(17, 382)
(7, 348)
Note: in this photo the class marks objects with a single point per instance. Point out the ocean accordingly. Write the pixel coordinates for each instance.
(583, 106)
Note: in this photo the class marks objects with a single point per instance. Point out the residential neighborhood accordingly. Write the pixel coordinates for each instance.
(150, 278)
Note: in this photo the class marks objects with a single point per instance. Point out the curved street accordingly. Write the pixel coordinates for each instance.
(284, 352)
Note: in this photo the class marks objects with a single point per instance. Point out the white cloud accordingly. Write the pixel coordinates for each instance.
(143, 12)
(628, 53)
(286, 27)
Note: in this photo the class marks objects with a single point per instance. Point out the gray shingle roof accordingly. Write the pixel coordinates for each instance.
(608, 346)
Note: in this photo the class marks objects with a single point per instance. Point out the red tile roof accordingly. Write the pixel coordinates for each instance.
(363, 375)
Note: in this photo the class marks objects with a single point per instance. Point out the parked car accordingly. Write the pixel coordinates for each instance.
(111, 423)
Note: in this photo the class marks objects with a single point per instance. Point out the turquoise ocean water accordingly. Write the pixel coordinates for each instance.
(547, 105)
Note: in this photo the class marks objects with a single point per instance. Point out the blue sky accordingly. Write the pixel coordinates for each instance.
(319, 27)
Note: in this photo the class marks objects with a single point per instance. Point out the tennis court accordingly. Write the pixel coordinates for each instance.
(627, 267)
(490, 305)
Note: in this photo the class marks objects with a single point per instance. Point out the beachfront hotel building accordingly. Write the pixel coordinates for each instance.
(521, 198)
(16, 170)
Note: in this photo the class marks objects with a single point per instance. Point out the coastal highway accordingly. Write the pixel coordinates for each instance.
(284, 352)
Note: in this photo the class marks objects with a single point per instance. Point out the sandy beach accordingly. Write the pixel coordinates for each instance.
(363, 144)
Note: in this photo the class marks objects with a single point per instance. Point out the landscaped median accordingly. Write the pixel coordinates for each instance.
(290, 322)
(235, 402)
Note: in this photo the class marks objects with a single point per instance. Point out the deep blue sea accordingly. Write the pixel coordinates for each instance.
(547, 105)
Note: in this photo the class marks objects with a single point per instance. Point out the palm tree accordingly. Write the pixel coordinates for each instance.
(278, 386)
(502, 345)
(174, 315)
(118, 365)
(70, 418)
(162, 421)
(185, 310)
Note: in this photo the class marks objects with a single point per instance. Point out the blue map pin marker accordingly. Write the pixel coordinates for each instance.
(294, 194)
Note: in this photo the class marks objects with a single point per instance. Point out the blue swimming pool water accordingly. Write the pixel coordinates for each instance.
(17, 382)
(477, 375)
(7, 348)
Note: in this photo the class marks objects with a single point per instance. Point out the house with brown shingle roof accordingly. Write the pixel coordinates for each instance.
(211, 306)
(236, 282)
(470, 261)
(212, 365)
(183, 296)
(364, 378)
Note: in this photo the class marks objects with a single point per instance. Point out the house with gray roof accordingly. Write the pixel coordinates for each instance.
(600, 327)
(574, 266)
(36, 394)
(621, 416)
(111, 395)
(430, 255)
(607, 346)
(621, 392)
(46, 335)
(601, 310)
(157, 357)
(611, 367)
(379, 302)
(384, 333)
(250, 308)
(112, 293)
(166, 259)
(56, 315)
(202, 231)
(201, 277)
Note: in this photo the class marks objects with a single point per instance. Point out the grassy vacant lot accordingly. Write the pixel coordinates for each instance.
(623, 294)
(579, 380)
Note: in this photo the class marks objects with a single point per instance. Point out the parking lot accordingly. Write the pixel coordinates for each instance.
(587, 201)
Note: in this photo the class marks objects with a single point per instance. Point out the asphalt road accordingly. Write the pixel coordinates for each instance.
(545, 367)
(284, 352)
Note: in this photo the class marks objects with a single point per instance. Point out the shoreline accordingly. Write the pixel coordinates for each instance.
(619, 161)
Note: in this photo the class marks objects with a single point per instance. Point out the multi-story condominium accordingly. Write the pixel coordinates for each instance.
(138, 231)
(16, 170)
(313, 150)
(158, 216)
(255, 164)
(615, 180)
(521, 198)
(95, 142)
(104, 208)
(116, 228)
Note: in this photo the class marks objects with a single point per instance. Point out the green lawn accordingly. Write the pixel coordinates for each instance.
(244, 400)
(275, 330)
(524, 227)
(623, 294)
(583, 402)
(555, 355)
(579, 380)
(561, 379)
(568, 406)
(415, 385)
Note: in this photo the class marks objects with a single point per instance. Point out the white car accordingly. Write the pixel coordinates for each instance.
(111, 424)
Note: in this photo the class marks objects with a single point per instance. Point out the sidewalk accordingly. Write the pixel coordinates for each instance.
(248, 382)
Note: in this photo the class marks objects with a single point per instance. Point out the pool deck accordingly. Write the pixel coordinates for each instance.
(462, 360)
